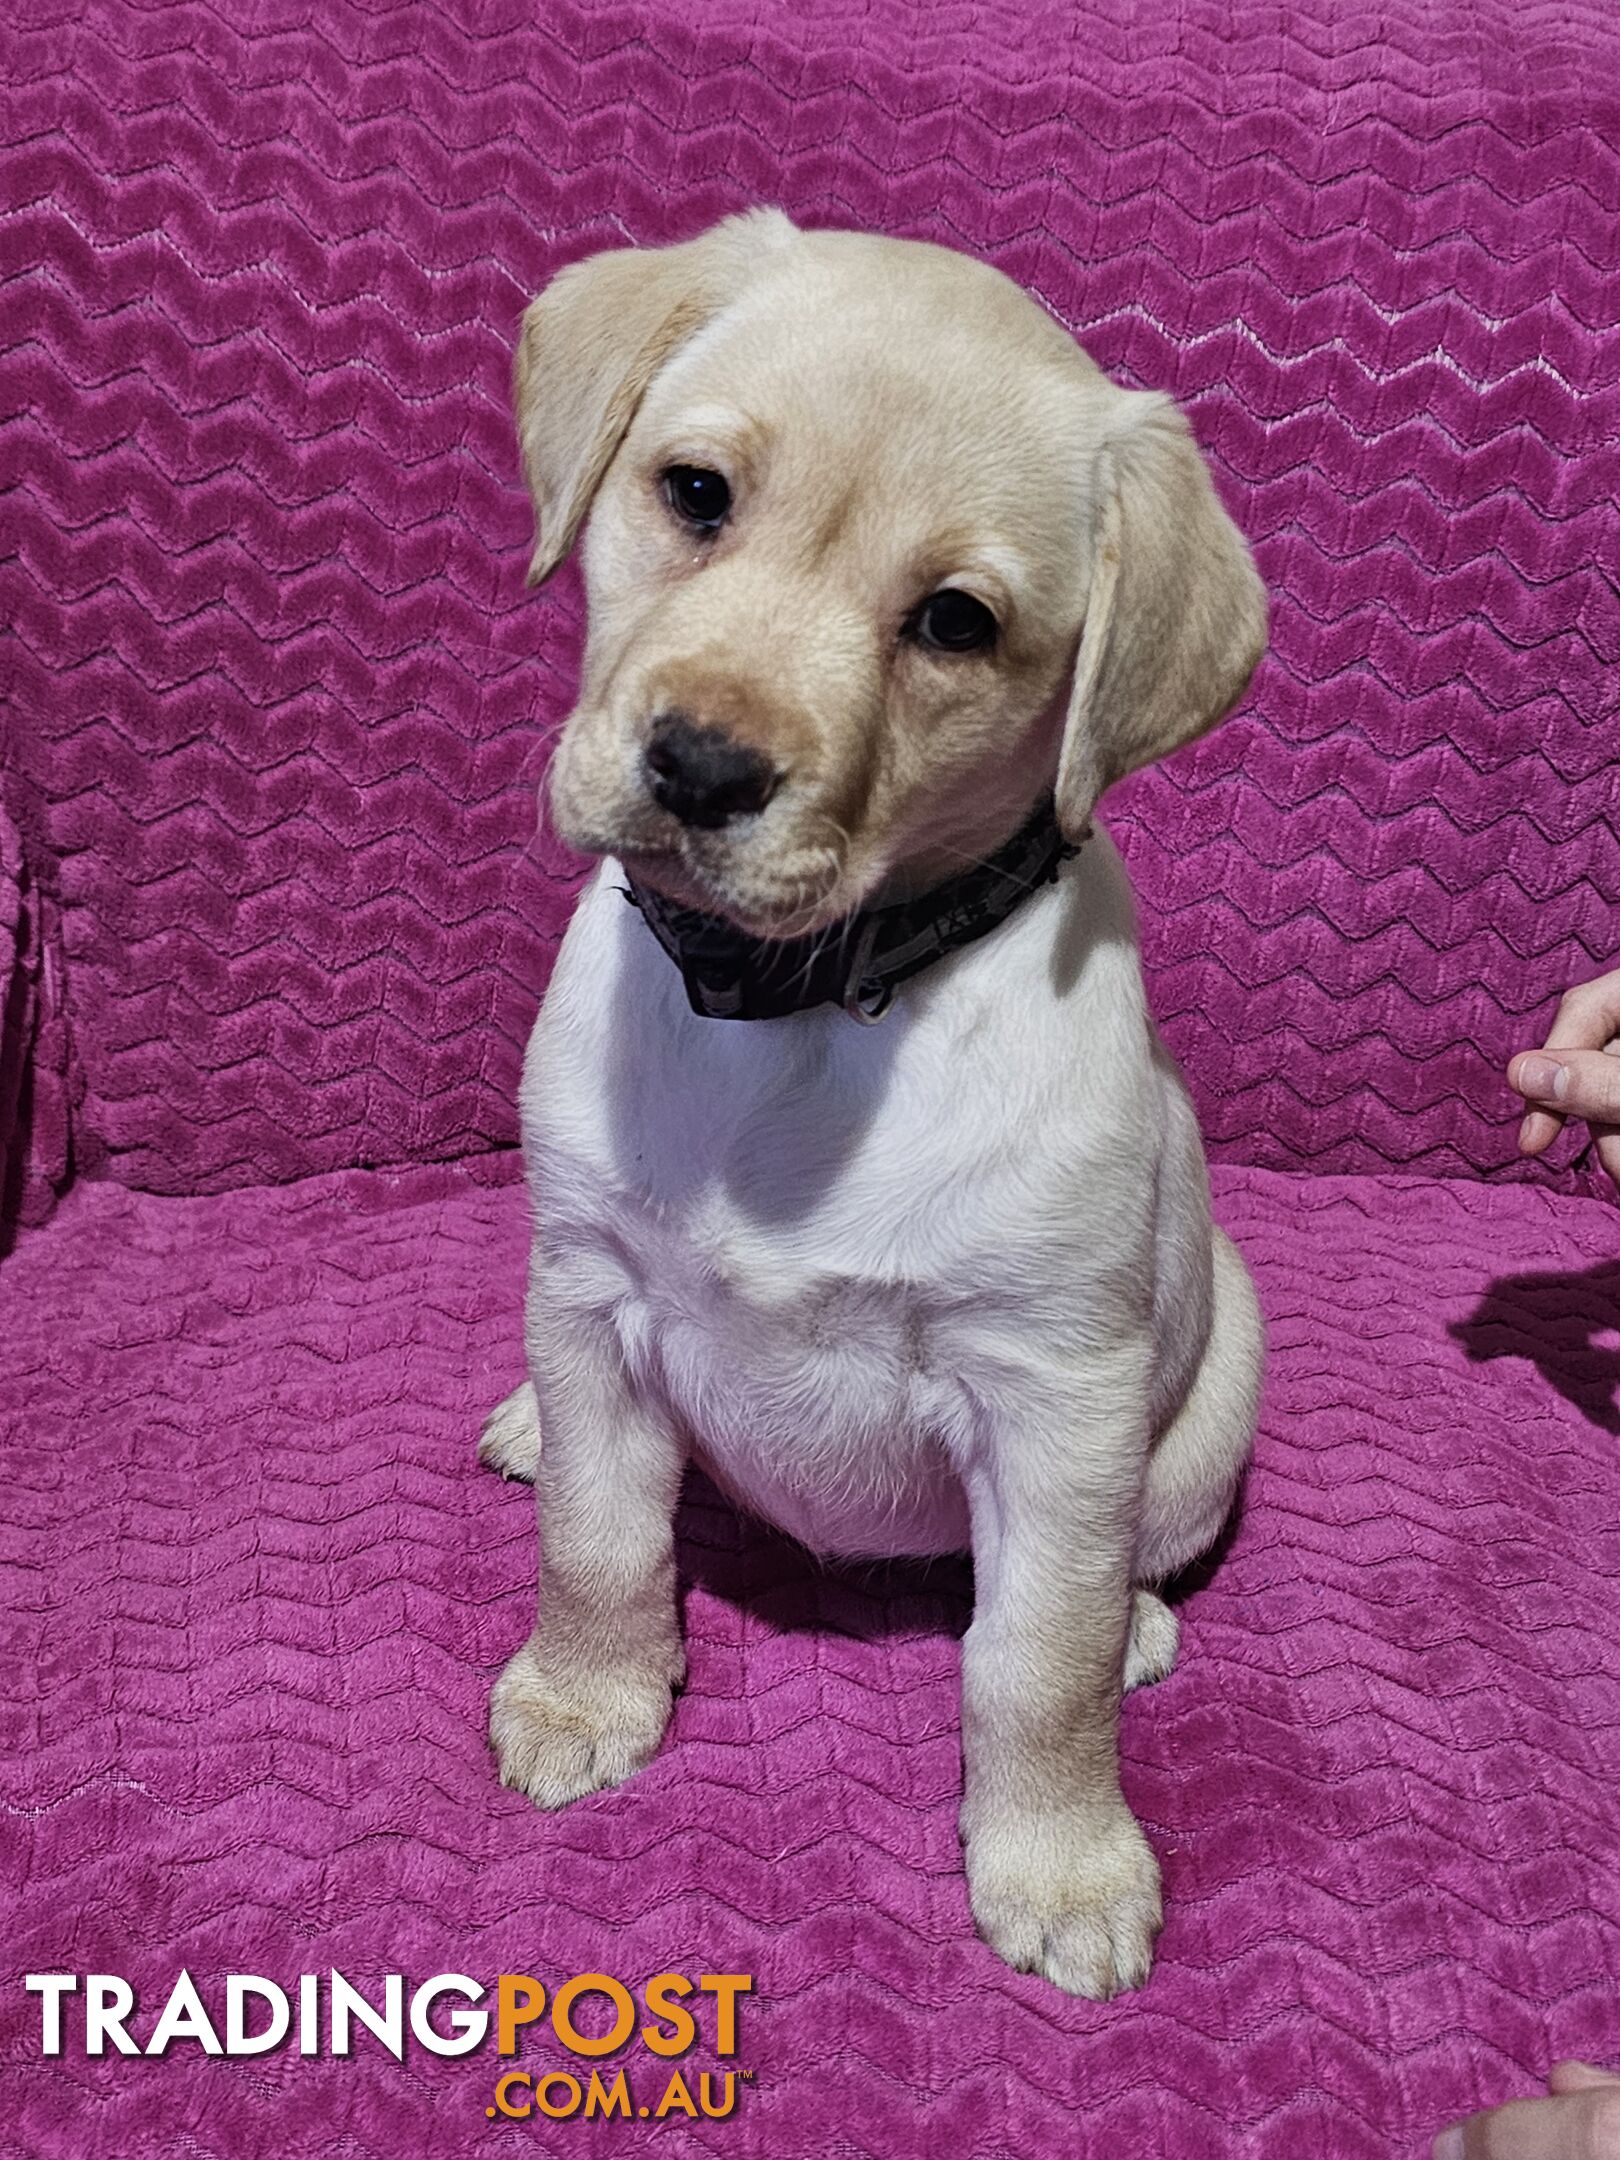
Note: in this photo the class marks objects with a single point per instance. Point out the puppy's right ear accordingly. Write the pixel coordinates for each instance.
(592, 343)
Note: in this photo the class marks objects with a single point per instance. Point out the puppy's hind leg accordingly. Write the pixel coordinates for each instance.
(510, 1440)
(1193, 1471)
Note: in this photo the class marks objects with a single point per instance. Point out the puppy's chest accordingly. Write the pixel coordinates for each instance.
(823, 1398)
(790, 1332)
(808, 1323)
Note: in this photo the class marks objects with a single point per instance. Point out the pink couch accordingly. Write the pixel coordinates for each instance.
(273, 924)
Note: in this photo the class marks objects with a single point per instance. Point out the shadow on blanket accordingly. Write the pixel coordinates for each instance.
(1557, 1321)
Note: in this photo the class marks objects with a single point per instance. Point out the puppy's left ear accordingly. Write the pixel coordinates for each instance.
(592, 343)
(1176, 616)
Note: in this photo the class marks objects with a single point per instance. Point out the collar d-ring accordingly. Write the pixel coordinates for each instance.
(872, 1010)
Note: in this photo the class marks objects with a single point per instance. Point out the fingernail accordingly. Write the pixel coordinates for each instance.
(1449, 2144)
(1526, 1127)
(1543, 1076)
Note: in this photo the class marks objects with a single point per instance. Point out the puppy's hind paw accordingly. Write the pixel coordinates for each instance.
(1155, 1632)
(510, 1440)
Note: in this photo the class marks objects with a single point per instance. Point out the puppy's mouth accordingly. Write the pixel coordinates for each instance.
(779, 901)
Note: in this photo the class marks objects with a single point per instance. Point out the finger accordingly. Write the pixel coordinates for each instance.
(1538, 1132)
(1608, 1147)
(1566, 2077)
(1575, 1083)
(1569, 2126)
(1588, 1018)
(1587, 1015)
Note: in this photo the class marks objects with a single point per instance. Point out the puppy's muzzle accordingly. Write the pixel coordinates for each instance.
(702, 776)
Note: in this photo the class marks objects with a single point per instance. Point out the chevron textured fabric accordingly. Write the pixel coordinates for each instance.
(274, 918)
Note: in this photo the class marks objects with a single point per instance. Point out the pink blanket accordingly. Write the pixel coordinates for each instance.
(273, 923)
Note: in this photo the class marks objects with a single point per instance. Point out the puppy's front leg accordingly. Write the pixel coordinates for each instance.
(584, 1703)
(1061, 1877)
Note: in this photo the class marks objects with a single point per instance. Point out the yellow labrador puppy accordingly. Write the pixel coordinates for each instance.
(886, 583)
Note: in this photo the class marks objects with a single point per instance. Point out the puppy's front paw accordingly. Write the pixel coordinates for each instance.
(1073, 1898)
(561, 1730)
(510, 1440)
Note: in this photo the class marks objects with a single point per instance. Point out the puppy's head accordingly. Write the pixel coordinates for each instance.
(876, 556)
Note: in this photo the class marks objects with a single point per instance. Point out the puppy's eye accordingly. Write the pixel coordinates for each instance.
(698, 497)
(954, 622)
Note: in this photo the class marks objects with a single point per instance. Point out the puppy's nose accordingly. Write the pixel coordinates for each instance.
(701, 776)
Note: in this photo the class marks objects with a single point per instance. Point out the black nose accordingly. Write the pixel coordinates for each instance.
(699, 775)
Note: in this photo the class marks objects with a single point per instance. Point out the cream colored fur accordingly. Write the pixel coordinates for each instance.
(948, 1281)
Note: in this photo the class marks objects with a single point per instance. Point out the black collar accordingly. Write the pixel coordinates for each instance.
(861, 961)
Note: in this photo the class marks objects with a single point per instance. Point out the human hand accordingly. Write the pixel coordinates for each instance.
(1578, 2120)
(1576, 1073)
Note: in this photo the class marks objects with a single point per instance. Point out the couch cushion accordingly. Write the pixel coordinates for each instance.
(257, 1589)
(278, 701)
